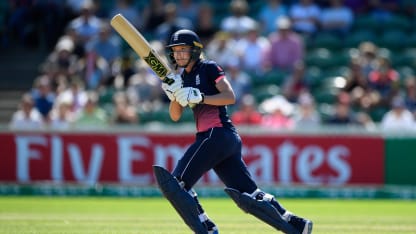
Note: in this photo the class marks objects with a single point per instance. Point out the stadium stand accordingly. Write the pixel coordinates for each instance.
(327, 57)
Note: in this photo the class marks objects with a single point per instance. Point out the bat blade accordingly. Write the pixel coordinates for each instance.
(140, 45)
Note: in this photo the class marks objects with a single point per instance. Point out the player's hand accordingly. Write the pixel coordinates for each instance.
(173, 85)
(188, 96)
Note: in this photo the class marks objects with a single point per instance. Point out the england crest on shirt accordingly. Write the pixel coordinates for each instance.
(197, 80)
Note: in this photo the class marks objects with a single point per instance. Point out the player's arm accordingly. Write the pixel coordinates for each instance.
(175, 110)
(225, 96)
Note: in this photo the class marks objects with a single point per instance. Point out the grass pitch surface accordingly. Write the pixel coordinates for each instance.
(92, 215)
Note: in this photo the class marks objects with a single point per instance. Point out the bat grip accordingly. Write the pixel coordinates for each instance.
(168, 81)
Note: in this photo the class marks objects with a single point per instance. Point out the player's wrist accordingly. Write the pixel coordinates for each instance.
(202, 98)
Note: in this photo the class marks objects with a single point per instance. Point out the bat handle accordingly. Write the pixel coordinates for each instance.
(168, 80)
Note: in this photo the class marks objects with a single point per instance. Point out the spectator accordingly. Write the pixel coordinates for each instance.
(94, 70)
(383, 10)
(27, 117)
(205, 26)
(336, 19)
(251, 50)
(61, 62)
(43, 96)
(239, 79)
(188, 9)
(343, 114)
(357, 86)
(172, 23)
(278, 113)
(238, 21)
(61, 117)
(75, 7)
(269, 14)
(398, 118)
(75, 94)
(364, 120)
(129, 11)
(247, 113)
(92, 115)
(306, 116)
(105, 45)
(143, 88)
(367, 56)
(286, 48)
(87, 25)
(153, 15)
(384, 81)
(222, 48)
(295, 83)
(305, 17)
(124, 112)
(410, 94)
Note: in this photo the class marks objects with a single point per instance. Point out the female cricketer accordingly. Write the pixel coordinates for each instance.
(204, 87)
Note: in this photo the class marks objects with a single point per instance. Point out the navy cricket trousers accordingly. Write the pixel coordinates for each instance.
(218, 149)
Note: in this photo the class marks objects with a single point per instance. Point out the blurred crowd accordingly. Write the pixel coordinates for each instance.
(91, 78)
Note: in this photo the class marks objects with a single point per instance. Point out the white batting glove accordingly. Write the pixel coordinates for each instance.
(175, 83)
(189, 96)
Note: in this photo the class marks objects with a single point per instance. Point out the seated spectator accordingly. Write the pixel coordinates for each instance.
(251, 49)
(384, 81)
(286, 47)
(172, 23)
(75, 94)
(343, 114)
(383, 10)
(336, 18)
(188, 9)
(357, 86)
(268, 15)
(367, 56)
(247, 113)
(94, 70)
(27, 117)
(43, 96)
(143, 90)
(238, 22)
(205, 27)
(128, 9)
(62, 117)
(364, 120)
(153, 15)
(398, 118)
(61, 62)
(295, 83)
(92, 115)
(124, 112)
(87, 25)
(278, 113)
(105, 45)
(305, 17)
(239, 79)
(222, 48)
(410, 94)
(306, 115)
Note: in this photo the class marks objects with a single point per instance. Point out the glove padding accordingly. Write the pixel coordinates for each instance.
(174, 86)
(188, 96)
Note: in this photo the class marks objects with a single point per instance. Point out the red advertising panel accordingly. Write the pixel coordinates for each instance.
(127, 158)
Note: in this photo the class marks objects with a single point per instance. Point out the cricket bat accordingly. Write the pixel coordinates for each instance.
(141, 46)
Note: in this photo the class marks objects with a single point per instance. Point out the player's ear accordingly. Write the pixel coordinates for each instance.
(169, 55)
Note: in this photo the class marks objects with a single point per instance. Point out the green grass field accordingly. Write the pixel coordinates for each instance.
(91, 215)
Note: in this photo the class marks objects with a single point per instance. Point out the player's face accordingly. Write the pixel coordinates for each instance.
(182, 54)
